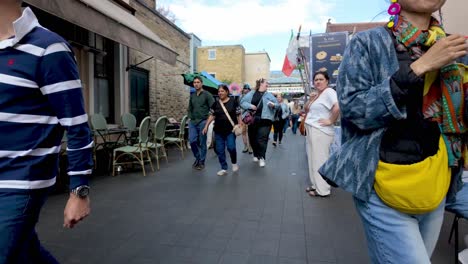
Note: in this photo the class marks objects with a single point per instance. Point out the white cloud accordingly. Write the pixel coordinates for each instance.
(228, 20)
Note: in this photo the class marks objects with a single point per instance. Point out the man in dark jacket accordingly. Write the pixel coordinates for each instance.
(198, 111)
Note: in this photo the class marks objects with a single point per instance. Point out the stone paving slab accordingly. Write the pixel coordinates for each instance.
(178, 215)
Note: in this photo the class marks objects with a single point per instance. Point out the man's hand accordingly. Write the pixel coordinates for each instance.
(75, 210)
(205, 130)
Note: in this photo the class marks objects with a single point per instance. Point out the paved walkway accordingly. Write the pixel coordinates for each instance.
(178, 215)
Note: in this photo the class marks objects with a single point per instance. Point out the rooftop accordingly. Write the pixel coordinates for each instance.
(278, 77)
(352, 27)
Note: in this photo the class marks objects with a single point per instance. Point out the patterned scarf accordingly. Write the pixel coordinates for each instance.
(444, 92)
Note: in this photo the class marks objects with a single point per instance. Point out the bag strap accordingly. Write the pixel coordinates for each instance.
(226, 113)
(261, 99)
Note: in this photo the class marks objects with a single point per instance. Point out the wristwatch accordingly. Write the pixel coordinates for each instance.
(81, 191)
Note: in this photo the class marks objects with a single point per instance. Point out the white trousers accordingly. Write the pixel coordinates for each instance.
(318, 150)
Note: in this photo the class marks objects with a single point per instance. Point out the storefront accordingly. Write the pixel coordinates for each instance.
(101, 32)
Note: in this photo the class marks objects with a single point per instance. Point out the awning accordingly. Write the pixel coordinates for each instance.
(111, 21)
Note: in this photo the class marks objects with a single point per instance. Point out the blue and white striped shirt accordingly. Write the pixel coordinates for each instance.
(40, 98)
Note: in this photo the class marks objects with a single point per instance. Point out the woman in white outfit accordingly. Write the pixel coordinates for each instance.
(322, 113)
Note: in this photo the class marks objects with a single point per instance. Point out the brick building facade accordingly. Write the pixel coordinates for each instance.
(167, 93)
(257, 65)
(225, 63)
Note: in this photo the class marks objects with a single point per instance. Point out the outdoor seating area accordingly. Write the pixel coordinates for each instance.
(118, 147)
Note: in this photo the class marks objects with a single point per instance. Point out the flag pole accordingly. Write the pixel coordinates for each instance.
(301, 59)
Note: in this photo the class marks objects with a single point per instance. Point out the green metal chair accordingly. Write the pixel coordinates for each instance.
(138, 151)
(99, 126)
(159, 133)
(180, 140)
(105, 139)
(129, 121)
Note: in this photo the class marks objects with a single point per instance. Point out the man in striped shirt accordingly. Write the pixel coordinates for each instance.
(40, 98)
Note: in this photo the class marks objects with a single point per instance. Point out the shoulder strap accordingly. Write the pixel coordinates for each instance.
(226, 112)
(261, 99)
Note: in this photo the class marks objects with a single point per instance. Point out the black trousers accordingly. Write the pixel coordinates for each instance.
(278, 127)
(258, 137)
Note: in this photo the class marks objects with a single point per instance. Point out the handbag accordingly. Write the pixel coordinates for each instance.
(236, 129)
(302, 128)
(416, 188)
(249, 117)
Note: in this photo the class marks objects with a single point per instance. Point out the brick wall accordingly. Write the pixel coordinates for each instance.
(257, 65)
(168, 94)
(228, 65)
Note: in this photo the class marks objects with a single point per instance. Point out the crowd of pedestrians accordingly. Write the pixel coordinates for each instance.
(393, 125)
(227, 112)
(400, 98)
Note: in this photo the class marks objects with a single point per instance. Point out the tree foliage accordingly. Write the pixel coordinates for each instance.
(166, 12)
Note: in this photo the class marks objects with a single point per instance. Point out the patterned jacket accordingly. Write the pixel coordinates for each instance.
(367, 107)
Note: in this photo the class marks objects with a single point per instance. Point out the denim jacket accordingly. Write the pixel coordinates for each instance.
(285, 109)
(367, 107)
(267, 112)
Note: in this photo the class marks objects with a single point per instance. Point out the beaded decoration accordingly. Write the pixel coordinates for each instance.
(394, 11)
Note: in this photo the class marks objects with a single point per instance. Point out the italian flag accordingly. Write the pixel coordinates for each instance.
(290, 60)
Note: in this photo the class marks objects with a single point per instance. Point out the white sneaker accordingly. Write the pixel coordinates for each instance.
(222, 172)
(262, 163)
(255, 159)
(235, 167)
(463, 256)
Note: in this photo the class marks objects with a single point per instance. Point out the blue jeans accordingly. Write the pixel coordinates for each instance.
(396, 237)
(19, 213)
(198, 140)
(222, 142)
(295, 121)
(460, 204)
(286, 124)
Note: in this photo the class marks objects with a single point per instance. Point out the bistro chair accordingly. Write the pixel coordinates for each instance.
(99, 126)
(105, 138)
(137, 152)
(129, 121)
(180, 139)
(159, 133)
(109, 137)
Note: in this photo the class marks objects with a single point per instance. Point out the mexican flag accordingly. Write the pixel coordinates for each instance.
(290, 60)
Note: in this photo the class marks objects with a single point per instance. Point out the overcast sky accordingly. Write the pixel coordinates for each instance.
(261, 25)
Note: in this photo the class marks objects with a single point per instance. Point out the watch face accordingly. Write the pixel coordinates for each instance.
(83, 191)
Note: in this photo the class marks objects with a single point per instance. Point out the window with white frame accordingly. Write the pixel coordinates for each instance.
(212, 54)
